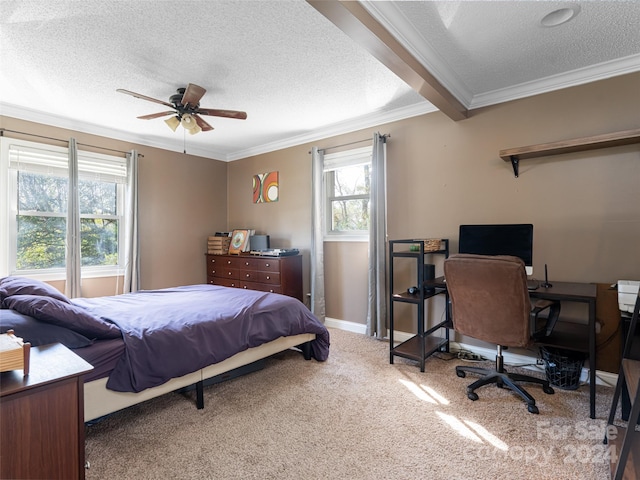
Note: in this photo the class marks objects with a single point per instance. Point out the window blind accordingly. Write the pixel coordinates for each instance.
(54, 161)
(349, 158)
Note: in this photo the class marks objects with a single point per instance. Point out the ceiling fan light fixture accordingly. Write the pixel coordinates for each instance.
(173, 123)
(188, 121)
(195, 129)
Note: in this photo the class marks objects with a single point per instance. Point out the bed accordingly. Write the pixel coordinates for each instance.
(152, 342)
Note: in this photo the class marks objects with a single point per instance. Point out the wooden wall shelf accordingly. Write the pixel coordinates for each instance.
(616, 139)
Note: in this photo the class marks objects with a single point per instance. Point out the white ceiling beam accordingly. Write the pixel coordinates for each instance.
(354, 20)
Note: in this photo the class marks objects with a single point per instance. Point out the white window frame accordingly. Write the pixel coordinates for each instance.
(333, 162)
(91, 165)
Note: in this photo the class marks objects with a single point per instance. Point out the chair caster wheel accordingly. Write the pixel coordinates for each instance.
(548, 390)
(460, 373)
(472, 396)
(533, 409)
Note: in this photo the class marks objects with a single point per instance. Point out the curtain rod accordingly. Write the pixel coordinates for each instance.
(3, 130)
(386, 135)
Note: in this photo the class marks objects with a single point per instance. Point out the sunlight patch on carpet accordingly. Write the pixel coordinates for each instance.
(459, 427)
(418, 392)
(487, 435)
(436, 395)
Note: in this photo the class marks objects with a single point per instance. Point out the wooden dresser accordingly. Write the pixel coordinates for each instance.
(42, 415)
(267, 274)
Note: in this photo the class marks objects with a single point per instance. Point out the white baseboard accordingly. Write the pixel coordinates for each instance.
(602, 378)
(344, 325)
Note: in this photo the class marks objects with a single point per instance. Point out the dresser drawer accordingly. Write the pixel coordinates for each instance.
(261, 264)
(267, 274)
(223, 282)
(272, 278)
(262, 287)
(218, 262)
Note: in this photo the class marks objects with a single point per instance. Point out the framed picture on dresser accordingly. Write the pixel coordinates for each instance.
(239, 241)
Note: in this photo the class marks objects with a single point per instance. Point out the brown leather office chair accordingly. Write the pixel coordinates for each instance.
(490, 302)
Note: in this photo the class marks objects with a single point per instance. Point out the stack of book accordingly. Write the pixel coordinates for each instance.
(218, 245)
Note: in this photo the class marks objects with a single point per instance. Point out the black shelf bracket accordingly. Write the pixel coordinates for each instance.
(515, 163)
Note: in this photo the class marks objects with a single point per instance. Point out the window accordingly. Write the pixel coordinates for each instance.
(347, 178)
(34, 216)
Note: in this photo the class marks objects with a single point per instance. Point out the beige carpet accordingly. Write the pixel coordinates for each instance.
(354, 416)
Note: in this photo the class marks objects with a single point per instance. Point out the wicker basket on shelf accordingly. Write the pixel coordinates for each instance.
(432, 244)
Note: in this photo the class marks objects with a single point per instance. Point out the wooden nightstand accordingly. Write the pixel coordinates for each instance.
(42, 416)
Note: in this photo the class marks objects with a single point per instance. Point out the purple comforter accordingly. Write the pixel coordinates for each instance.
(171, 332)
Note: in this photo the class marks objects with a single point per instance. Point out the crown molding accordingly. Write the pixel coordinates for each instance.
(31, 115)
(573, 78)
(367, 121)
(392, 17)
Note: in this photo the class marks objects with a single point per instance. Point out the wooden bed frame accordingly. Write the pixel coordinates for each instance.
(100, 401)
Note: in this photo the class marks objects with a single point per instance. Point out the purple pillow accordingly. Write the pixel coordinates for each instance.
(50, 310)
(27, 286)
(40, 333)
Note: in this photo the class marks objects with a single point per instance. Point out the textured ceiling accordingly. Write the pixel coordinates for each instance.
(298, 76)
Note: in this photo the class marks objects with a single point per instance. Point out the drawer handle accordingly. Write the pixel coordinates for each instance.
(213, 272)
(248, 275)
(267, 264)
(228, 262)
(268, 277)
(245, 287)
(246, 263)
(229, 273)
(233, 284)
(271, 291)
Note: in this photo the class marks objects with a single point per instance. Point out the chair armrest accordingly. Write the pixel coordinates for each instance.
(554, 313)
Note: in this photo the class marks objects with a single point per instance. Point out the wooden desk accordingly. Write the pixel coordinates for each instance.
(574, 336)
(42, 434)
(570, 336)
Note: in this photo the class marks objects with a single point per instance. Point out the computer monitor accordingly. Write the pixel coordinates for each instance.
(506, 239)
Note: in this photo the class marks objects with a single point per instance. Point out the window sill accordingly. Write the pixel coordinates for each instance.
(61, 275)
(346, 238)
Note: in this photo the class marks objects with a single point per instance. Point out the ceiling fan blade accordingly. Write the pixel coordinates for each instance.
(223, 113)
(192, 95)
(143, 97)
(156, 115)
(202, 124)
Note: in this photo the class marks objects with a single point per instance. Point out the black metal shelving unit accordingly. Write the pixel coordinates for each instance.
(423, 344)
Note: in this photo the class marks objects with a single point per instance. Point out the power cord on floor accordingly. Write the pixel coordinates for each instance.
(470, 357)
(464, 355)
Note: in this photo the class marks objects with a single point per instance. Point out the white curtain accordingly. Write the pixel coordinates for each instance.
(73, 258)
(132, 244)
(377, 311)
(317, 244)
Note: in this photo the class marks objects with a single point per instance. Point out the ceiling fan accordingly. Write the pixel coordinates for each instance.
(186, 109)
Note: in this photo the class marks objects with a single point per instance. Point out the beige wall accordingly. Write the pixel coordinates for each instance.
(287, 221)
(182, 199)
(585, 206)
